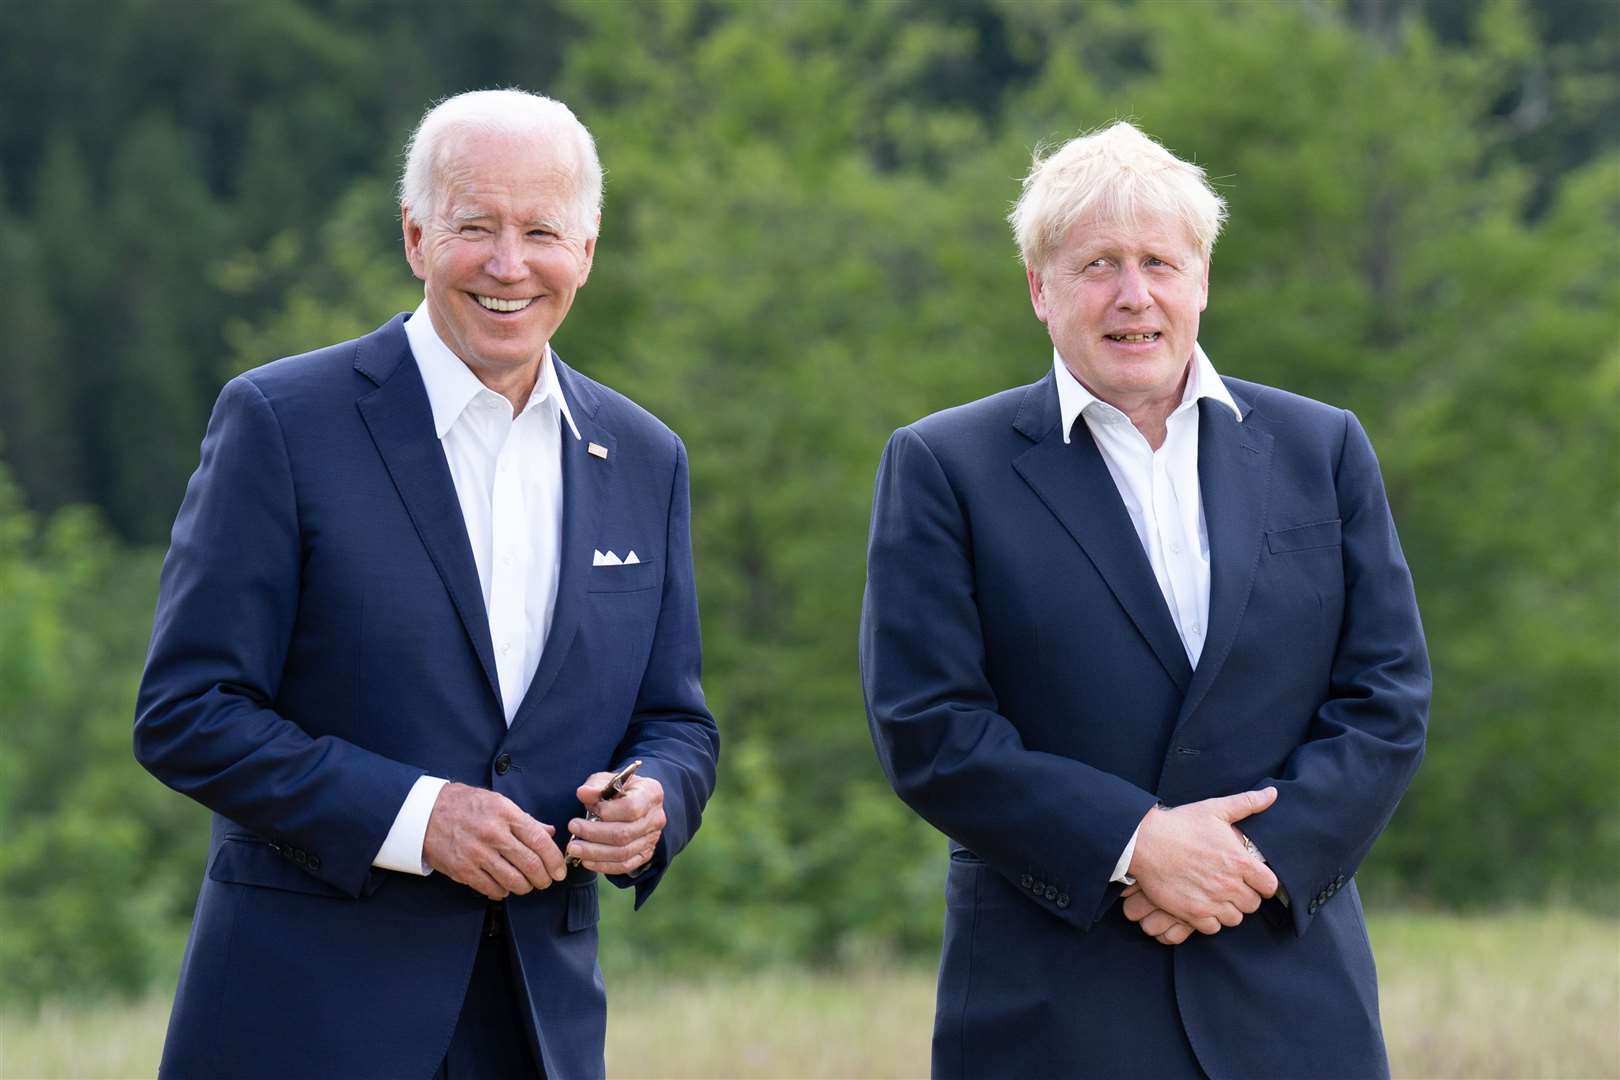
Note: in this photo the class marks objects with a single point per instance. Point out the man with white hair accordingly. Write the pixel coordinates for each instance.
(429, 592)
(1140, 640)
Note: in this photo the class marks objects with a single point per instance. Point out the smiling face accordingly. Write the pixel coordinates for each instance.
(1121, 303)
(501, 254)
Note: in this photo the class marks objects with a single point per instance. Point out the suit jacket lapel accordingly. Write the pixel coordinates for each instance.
(1073, 481)
(586, 481)
(1234, 476)
(400, 420)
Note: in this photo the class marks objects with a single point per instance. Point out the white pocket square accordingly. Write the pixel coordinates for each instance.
(599, 558)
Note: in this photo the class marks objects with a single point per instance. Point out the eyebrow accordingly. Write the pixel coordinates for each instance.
(466, 214)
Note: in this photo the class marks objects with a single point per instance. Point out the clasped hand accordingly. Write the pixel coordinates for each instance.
(483, 840)
(1193, 871)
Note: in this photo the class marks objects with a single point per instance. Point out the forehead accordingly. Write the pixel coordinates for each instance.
(1142, 231)
(478, 170)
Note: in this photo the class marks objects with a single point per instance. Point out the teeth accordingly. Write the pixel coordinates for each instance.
(1136, 337)
(496, 304)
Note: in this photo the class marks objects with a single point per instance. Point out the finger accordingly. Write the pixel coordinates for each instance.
(1136, 906)
(623, 866)
(538, 838)
(642, 798)
(1248, 901)
(1157, 922)
(1209, 924)
(589, 793)
(509, 877)
(617, 833)
(1129, 891)
(481, 882)
(1229, 916)
(1176, 934)
(1244, 804)
(528, 862)
(1259, 877)
(593, 855)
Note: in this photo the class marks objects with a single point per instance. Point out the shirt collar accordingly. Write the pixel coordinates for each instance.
(451, 384)
(1202, 382)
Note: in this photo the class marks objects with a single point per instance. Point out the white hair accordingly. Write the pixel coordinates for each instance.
(515, 113)
(1116, 173)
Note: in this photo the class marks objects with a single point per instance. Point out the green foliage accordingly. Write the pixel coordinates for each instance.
(803, 247)
(98, 865)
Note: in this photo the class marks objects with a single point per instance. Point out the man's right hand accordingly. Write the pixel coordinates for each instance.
(482, 839)
(1192, 865)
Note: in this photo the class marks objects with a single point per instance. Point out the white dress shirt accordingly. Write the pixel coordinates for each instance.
(1160, 491)
(507, 471)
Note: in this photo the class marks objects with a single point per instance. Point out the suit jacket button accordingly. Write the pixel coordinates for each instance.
(1063, 900)
(1038, 888)
(300, 857)
(1025, 882)
(1313, 907)
(1051, 892)
(314, 862)
(503, 763)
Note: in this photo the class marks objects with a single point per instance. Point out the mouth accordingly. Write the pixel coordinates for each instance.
(1135, 337)
(495, 303)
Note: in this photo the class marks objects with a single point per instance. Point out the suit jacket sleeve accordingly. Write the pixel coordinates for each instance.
(671, 729)
(947, 751)
(1337, 791)
(206, 723)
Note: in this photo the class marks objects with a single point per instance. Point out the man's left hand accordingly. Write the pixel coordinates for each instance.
(628, 828)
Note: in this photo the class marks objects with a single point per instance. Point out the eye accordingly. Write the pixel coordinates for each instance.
(1097, 264)
(473, 232)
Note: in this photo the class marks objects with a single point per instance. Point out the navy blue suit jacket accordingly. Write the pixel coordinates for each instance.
(1030, 697)
(321, 642)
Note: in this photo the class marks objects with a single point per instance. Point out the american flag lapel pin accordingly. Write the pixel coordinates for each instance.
(596, 450)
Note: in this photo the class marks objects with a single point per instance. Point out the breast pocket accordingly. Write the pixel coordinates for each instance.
(1321, 534)
(622, 578)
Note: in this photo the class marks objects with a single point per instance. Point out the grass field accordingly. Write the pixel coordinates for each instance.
(1533, 995)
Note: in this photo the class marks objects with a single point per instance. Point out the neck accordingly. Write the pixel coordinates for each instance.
(1152, 416)
(515, 384)
(1150, 412)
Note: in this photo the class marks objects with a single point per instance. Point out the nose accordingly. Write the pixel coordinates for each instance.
(1133, 290)
(505, 261)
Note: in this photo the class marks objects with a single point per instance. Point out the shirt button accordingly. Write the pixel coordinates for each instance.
(506, 647)
(1175, 549)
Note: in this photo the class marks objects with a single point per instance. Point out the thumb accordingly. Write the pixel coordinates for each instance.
(1244, 803)
(590, 792)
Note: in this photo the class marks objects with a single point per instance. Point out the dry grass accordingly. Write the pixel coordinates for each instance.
(1533, 995)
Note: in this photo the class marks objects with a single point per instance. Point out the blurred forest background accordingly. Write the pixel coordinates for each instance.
(803, 247)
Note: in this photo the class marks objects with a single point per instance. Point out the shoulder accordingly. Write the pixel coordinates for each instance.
(637, 430)
(1302, 427)
(972, 427)
(340, 369)
(1281, 406)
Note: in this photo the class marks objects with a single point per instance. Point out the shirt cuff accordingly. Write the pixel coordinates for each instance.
(402, 849)
(1122, 868)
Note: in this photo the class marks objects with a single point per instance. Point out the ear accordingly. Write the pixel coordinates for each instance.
(412, 233)
(1203, 288)
(1037, 292)
(590, 253)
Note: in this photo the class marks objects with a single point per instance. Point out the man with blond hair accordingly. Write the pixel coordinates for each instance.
(1140, 640)
(429, 591)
